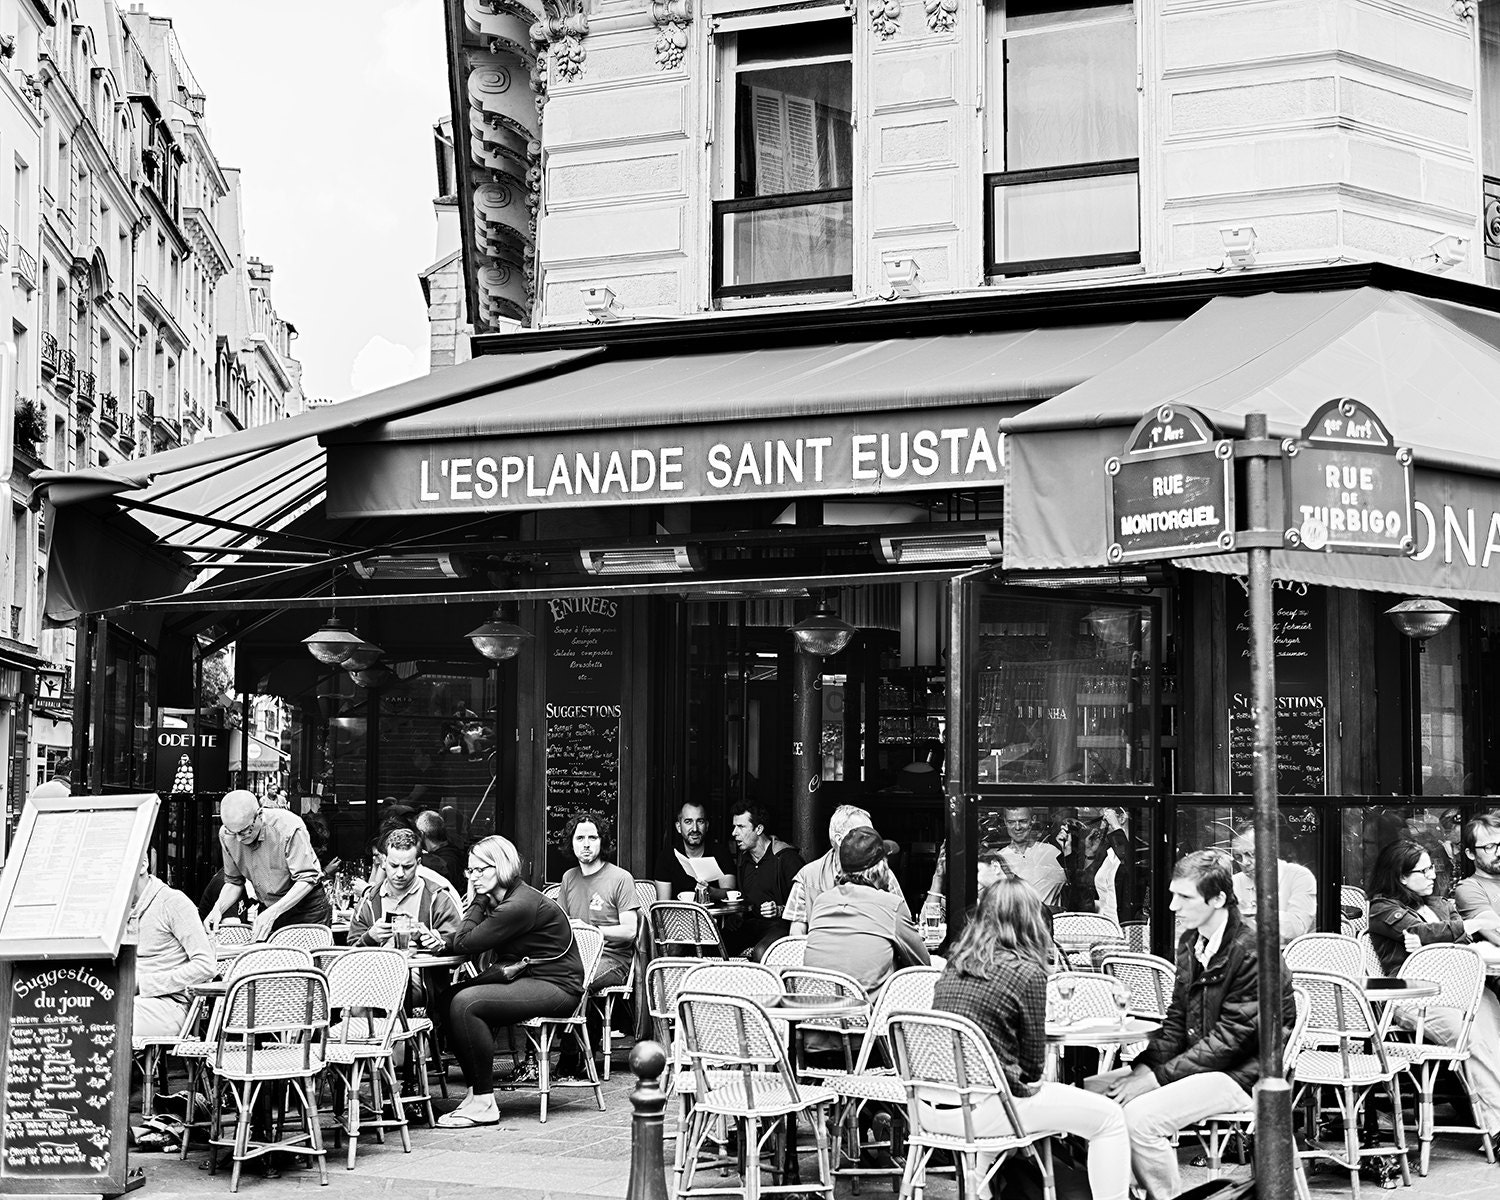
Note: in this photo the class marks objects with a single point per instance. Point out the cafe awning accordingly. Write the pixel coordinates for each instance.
(1430, 369)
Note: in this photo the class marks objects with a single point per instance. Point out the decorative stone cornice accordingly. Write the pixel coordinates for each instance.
(562, 37)
(942, 15)
(885, 17)
(671, 18)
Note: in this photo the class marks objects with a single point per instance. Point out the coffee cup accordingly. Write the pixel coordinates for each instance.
(732, 897)
(684, 895)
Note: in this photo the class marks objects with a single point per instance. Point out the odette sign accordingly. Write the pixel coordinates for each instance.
(1172, 490)
(1348, 485)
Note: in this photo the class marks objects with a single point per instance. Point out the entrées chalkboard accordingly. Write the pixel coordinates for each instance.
(65, 891)
(65, 1062)
(583, 712)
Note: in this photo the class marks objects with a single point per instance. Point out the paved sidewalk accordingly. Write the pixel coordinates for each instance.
(581, 1153)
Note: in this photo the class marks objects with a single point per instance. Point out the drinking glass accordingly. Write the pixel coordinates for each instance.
(401, 931)
(1065, 989)
(1122, 1005)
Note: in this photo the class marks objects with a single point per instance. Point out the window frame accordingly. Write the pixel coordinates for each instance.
(725, 163)
(995, 267)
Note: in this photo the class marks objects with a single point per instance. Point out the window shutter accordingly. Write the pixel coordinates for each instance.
(803, 174)
(769, 122)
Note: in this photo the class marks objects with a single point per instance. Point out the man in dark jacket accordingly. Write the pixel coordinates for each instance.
(1204, 1059)
(767, 868)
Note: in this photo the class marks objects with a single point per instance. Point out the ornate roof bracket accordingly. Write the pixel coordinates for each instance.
(671, 18)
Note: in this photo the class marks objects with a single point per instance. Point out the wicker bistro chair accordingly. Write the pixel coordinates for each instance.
(1356, 905)
(195, 1051)
(1327, 952)
(943, 1059)
(309, 937)
(735, 1052)
(1093, 998)
(1340, 1014)
(825, 984)
(608, 997)
(1373, 966)
(291, 1007)
(369, 985)
(1461, 974)
(784, 952)
(1076, 932)
(664, 978)
(540, 1031)
(1148, 979)
(682, 927)
(872, 1082)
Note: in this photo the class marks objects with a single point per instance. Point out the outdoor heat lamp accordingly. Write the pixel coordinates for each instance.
(1421, 619)
(822, 633)
(333, 643)
(498, 639)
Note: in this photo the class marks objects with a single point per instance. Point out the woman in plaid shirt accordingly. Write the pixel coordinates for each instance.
(997, 977)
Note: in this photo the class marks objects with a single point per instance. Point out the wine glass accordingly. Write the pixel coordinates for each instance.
(1066, 987)
(1122, 1004)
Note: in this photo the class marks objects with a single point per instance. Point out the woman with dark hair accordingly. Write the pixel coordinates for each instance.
(513, 919)
(1405, 915)
(996, 976)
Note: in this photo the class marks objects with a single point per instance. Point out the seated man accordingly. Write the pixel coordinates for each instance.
(689, 840)
(818, 877)
(438, 853)
(1480, 892)
(766, 871)
(173, 952)
(405, 890)
(599, 892)
(1296, 888)
(1205, 1057)
(859, 926)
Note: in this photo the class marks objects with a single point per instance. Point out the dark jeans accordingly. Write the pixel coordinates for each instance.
(610, 974)
(755, 935)
(314, 910)
(477, 1010)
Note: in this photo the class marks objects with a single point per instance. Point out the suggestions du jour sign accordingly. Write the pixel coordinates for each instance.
(863, 453)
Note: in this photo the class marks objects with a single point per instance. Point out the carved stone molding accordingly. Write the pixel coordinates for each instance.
(885, 17)
(1465, 10)
(671, 18)
(562, 38)
(942, 15)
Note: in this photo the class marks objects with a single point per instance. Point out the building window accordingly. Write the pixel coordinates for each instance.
(787, 162)
(1062, 183)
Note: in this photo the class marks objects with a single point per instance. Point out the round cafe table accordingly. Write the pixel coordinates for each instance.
(421, 960)
(1097, 1033)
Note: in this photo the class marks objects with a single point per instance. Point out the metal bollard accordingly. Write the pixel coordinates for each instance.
(648, 1175)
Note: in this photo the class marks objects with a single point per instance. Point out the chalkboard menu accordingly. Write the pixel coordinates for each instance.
(66, 887)
(1301, 635)
(65, 1060)
(583, 711)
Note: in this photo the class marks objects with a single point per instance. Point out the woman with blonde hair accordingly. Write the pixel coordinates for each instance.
(996, 976)
(505, 915)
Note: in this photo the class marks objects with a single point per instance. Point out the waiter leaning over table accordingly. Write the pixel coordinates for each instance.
(270, 848)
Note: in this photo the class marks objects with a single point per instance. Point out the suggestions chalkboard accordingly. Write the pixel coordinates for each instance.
(65, 1060)
(1299, 617)
(583, 715)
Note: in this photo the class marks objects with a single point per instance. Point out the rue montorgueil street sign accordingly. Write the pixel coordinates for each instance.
(1348, 485)
(1171, 490)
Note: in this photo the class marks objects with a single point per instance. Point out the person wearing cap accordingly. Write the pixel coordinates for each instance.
(819, 876)
(861, 926)
(270, 848)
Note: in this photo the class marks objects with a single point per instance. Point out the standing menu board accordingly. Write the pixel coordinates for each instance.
(65, 1060)
(65, 891)
(585, 682)
(1299, 617)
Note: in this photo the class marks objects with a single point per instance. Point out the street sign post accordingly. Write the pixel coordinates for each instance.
(1172, 490)
(1348, 485)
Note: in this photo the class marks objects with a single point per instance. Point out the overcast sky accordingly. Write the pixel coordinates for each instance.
(327, 107)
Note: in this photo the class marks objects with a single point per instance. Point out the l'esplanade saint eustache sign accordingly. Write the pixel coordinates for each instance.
(1172, 490)
(856, 453)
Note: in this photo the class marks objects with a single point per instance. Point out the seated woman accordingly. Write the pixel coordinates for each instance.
(996, 976)
(515, 921)
(1405, 915)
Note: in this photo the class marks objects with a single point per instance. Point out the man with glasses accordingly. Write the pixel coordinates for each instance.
(1296, 886)
(1480, 892)
(271, 849)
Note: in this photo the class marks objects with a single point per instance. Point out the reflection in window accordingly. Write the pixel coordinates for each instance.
(1442, 679)
(1368, 831)
(1231, 829)
(1063, 692)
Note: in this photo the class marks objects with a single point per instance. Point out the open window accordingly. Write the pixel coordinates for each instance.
(784, 222)
(1062, 157)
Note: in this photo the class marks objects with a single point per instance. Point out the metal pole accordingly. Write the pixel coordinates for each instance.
(1274, 1149)
(648, 1175)
(807, 755)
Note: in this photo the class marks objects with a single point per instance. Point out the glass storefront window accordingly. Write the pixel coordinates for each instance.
(1445, 768)
(1367, 831)
(1084, 858)
(1230, 828)
(1063, 691)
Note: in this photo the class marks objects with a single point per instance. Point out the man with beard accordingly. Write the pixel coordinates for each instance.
(690, 840)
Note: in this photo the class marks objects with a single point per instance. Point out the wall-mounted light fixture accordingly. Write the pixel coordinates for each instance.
(1421, 619)
(976, 545)
(822, 633)
(1239, 245)
(640, 560)
(498, 639)
(1448, 251)
(903, 278)
(600, 305)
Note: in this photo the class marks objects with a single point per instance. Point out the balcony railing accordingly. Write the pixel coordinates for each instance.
(1492, 218)
(4, 244)
(109, 412)
(25, 268)
(50, 354)
(66, 368)
(87, 382)
(146, 405)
